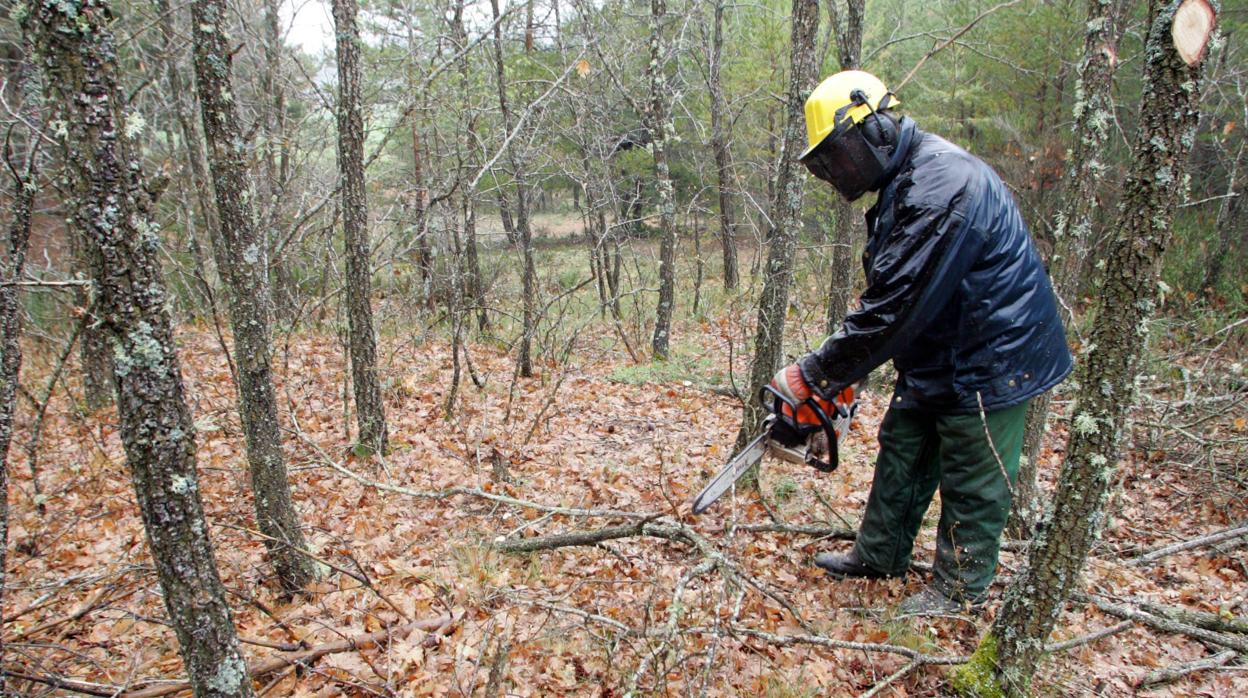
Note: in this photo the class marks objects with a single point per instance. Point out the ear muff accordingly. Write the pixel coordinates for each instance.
(880, 130)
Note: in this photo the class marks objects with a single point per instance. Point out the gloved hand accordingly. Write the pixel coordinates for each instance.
(788, 382)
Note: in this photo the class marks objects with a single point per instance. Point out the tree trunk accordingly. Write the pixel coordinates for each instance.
(420, 205)
(114, 211)
(1072, 226)
(848, 35)
(12, 262)
(370, 409)
(1006, 658)
(93, 352)
(661, 132)
(1226, 225)
(241, 258)
(473, 283)
(273, 128)
(786, 208)
(720, 143)
(193, 148)
(524, 235)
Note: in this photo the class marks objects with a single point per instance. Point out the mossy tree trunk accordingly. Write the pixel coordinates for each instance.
(848, 33)
(662, 130)
(786, 206)
(1006, 658)
(110, 204)
(370, 410)
(242, 259)
(1072, 224)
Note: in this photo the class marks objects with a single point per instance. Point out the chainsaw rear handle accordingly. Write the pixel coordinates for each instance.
(777, 408)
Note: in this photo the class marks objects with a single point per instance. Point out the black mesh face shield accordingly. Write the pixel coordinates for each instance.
(848, 162)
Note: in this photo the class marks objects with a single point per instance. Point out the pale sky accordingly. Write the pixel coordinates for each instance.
(309, 25)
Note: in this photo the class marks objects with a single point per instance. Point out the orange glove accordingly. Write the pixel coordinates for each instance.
(788, 382)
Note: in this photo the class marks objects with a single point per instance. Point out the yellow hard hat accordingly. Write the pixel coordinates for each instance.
(834, 105)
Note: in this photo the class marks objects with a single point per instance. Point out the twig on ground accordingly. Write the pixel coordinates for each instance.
(1200, 619)
(1168, 674)
(83, 687)
(1165, 624)
(895, 676)
(272, 664)
(576, 538)
(1199, 542)
(1089, 638)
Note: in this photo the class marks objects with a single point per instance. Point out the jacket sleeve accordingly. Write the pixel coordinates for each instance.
(915, 273)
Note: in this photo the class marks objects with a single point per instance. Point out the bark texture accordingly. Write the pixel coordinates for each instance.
(1006, 658)
(193, 149)
(93, 352)
(721, 140)
(661, 133)
(273, 128)
(112, 207)
(12, 261)
(523, 235)
(786, 207)
(848, 33)
(242, 259)
(1093, 114)
(370, 410)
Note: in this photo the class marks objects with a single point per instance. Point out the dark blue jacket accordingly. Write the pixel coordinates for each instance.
(956, 293)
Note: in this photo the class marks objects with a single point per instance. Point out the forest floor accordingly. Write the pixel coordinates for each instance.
(700, 606)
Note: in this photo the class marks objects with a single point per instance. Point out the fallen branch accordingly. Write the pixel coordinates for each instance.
(888, 680)
(576, 538)
(1090, 637)
(1168, 674)
(90, 689)
(1166, 625)
(279, 662)
(826, 532)
(469, 491)
(787, 640)
(1200, 542)
(1200, 619)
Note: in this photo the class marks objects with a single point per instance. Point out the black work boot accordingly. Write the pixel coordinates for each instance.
(930, 601)
(843, 565)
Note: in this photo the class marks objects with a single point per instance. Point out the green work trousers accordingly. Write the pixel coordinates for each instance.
(920, 451)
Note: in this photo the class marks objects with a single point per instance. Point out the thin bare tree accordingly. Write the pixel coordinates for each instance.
(370, 409)
(242, 260)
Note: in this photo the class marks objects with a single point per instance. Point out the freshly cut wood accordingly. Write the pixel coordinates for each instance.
(1193, 27)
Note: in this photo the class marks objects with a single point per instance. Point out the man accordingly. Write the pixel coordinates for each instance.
(958, 298)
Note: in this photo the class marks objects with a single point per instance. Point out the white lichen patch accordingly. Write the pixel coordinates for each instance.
(135, 123)
(1085, 424)
(229, 676)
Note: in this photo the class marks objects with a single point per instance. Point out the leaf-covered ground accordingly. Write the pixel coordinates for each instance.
(649, 614)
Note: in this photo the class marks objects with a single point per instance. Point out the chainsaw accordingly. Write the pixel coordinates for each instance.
(820, 439)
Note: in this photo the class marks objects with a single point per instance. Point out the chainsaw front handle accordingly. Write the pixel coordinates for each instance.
(778, 402)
